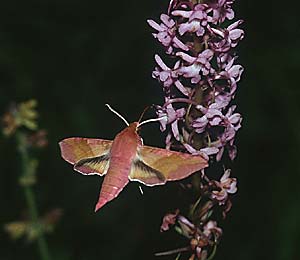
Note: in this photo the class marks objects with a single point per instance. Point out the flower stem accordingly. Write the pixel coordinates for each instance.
(180, 100)
(175, 251)
(213, 253)
(195, 206)
(30, 196)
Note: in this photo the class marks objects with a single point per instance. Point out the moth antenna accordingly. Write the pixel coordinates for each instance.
(146, 108)
(115, 112)
(153, 120)
(141, 190)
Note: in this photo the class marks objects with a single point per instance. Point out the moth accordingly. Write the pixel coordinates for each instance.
(126, 159)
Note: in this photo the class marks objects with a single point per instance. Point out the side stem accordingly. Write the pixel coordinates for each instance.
(30, 196)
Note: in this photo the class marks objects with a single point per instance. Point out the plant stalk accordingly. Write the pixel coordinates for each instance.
(30, 196)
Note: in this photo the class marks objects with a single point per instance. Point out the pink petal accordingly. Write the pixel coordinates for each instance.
(225, 175)
(208, 54)
(215, 121)
(200, 31)
(232, 152)
(197, 15)
(180, 44)
(196, 79)
(236, 34)
(219, 154)
(236, 72)
(163, 76)
(234, 25)
(230, 14)
(233, 188)
(180, 112)
(167, 20)
(190, 149)
(175, 130)
(186, 57)
(193, 26)
(200, 122)
(210, 150)
(213, 113)
(218, 32)
(154, 25)
(185, 14)
(235, 118)
(160, 62)
(181, 88)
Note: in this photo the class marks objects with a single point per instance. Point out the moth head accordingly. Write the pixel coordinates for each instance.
(136, 125)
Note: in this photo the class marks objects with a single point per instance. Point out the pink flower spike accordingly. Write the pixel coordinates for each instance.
(200, 75)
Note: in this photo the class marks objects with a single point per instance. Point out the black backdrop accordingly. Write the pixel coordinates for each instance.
(75, 56)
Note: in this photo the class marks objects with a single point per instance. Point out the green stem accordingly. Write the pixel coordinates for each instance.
(175, 251)
(30, 197)
(195, 206)
(212, 255)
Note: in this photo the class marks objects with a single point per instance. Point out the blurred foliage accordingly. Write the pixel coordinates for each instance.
(73, 57)
(18, 120)
(22, 115)
(31, 230)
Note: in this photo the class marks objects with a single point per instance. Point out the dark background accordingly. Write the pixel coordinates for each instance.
(75, 56)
